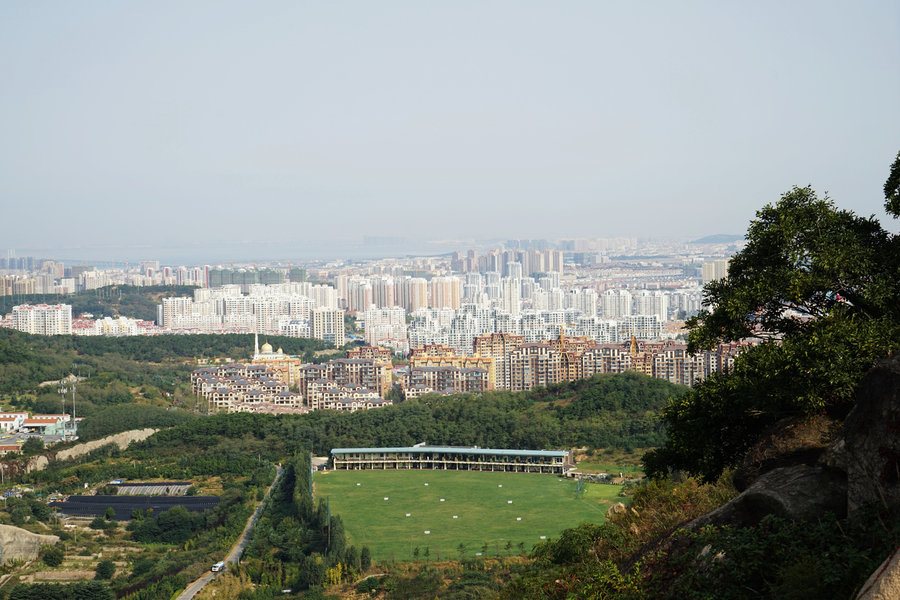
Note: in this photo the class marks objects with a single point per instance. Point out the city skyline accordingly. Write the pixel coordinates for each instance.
(223, 131)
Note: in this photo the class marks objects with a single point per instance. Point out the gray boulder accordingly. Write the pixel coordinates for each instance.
(19, 544)
(798, 492)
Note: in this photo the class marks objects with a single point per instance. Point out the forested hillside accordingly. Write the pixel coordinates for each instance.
(112, 301)
(160, 363)
(604, 411)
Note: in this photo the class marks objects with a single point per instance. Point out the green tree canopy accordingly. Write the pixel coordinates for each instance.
(105, 569)
(32, 446)
(820, 287)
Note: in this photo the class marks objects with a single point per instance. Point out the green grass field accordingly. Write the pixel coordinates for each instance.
(478, 509)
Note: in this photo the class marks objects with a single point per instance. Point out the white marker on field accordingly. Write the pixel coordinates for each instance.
(407, 514)
(386, 498)
(427, 531)
(442, 499)
(455, 516)
(508, 501)
(518, 518)
(543, 537)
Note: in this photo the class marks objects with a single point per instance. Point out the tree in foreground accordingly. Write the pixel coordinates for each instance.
(820, 288)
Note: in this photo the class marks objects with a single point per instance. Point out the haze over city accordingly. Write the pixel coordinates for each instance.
(213, 131)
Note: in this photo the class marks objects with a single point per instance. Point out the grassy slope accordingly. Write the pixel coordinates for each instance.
(545, 503)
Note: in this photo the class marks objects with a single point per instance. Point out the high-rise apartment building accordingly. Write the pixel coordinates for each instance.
(715, 269)
(43, 319)
(328, 324)
(446, 292)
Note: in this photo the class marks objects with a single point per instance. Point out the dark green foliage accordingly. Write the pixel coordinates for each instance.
(365, 559)
(126, 417)
(426, 584)
(173, 526)
(52, 556)
(142, 566)
(19, 515)
(892, 189)
(112, 301)
(39, 510)
(114, 363)
(105, 569)
(32, 446)
(777, 559)
(164, 588)
(292, 530)
(820, 286)
(89, 590)
(581, 417)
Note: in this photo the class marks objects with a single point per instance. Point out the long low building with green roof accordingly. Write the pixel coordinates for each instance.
(453, 458)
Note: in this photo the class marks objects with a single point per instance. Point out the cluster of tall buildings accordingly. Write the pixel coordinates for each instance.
(359, 382)
(298, 309)
(505, 361)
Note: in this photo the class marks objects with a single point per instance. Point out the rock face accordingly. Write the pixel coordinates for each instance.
(884, 583)
(18, 544)
(791, 441)
(615, 509)
(868, 450)
(861, 466)
(798, 492)
(37, 463)
(122, 440)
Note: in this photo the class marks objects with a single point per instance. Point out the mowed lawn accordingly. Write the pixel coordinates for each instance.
(465, 507)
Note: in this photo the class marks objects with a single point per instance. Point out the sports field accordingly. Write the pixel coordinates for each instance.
(394, 512)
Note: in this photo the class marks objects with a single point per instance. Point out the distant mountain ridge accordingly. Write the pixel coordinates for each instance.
(718, 238)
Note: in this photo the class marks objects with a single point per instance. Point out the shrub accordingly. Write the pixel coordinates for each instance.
(52, 556)
(105, 569)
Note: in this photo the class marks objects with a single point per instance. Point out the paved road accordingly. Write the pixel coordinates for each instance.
(236, 550)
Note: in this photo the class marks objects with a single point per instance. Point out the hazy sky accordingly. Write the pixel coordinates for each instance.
(138, 128)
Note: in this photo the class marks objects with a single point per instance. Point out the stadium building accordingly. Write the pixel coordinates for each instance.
(453, 458)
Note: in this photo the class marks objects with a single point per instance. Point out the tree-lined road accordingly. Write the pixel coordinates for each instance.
(236, 550)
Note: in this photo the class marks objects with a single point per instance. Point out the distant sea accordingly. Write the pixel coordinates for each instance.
(247, 251)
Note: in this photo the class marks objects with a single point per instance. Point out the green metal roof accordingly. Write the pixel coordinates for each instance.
(451, 450)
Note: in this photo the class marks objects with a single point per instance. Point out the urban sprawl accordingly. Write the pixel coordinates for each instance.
(527, 314)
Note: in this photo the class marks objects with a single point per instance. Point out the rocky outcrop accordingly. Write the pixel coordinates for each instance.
(860, 467)
(868, 449)
(615, 509)
(884, 583)
(798, 492)
(791, 441)
(37, 463)
(122, 440)
(19, 544)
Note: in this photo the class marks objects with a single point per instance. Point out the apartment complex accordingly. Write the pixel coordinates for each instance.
(237, 387)
(43, 319)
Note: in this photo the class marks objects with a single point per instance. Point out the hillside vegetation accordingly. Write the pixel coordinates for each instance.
(111, 301)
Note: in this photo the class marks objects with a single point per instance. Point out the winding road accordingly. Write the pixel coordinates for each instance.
(236, 550)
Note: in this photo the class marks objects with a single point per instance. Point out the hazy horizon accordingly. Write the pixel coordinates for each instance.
(293, 129)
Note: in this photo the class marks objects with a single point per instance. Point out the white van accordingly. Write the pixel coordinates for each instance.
(219, 566)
